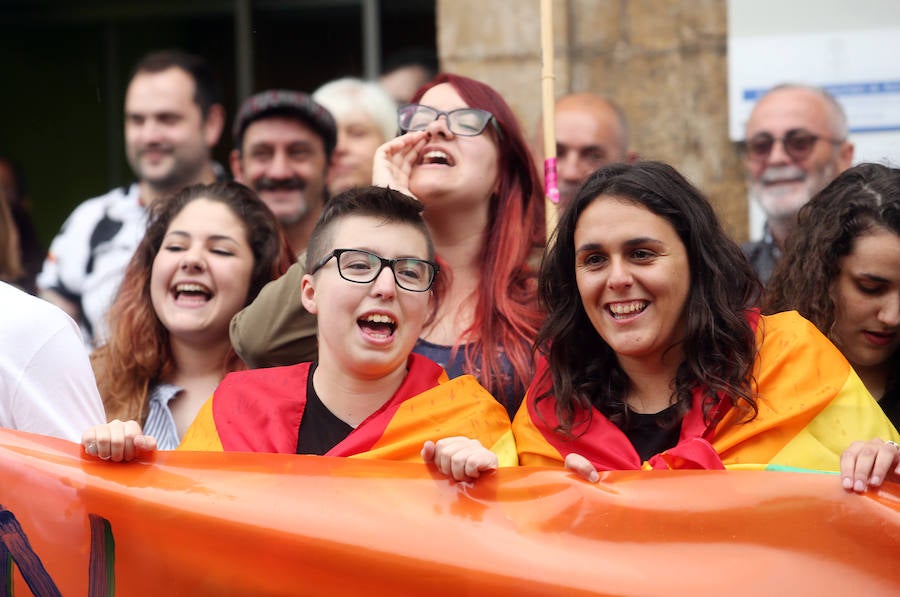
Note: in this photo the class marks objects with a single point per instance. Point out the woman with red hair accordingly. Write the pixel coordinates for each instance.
(207, 252)
(464, 157)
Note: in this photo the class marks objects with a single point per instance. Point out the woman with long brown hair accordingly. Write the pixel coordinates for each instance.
(207, 252)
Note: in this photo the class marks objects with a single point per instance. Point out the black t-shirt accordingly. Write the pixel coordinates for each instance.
(653, 433)
(890, 404)
(320, 429)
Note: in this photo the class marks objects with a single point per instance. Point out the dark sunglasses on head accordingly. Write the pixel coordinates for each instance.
(797, 143)
(467, 122)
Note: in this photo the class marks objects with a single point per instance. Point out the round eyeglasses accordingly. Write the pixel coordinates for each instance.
(466, 122)
(362, 267)
(797, 143)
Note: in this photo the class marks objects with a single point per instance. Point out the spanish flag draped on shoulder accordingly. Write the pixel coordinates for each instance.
(811, 406)
(260, 411)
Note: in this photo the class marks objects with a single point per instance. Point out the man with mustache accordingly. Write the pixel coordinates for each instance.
(795, 144)
(173, 118)
(283, 141)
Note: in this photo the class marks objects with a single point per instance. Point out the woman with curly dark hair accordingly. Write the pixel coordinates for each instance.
(842, 272)
(653, 357)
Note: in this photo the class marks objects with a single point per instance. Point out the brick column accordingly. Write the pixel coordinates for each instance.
(664, 61)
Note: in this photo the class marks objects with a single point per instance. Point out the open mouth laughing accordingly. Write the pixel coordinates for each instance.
(191, 292)
(378, 325)
(626, 310)
(436, 157)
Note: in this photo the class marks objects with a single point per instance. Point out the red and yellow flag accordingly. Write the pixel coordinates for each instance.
(811, 406)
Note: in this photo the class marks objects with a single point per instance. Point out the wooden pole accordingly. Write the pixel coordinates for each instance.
(551, 190)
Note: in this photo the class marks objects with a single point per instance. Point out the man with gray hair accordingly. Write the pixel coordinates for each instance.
(366, 117)
(795, 144)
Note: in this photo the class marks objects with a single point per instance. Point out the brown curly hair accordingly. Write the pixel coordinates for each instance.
(863, 197)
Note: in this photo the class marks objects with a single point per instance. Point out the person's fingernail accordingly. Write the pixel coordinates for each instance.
(847, 482)
(859, 486)
(594, 477)
(91, 448)
(875, 480)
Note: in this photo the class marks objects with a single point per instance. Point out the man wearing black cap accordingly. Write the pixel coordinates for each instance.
(283, 141)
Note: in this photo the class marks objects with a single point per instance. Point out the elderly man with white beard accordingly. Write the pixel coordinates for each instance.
(795, 144)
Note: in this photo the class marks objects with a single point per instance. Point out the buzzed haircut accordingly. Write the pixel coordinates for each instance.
(206, 90)
(623, 120)
(376, 202)
(593, 99)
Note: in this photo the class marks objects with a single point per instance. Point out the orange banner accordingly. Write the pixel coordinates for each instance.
(260, 524)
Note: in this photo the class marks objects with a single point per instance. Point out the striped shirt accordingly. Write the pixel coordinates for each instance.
(160, 423)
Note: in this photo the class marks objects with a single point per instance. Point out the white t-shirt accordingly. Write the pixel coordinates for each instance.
(87, 259)
(46, 382)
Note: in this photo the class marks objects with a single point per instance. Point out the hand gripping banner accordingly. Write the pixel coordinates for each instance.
(258, 524)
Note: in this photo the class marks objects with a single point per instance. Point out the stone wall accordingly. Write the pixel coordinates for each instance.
(664, 61)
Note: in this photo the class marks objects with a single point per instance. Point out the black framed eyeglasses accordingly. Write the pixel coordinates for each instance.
(362, 267)
(797, 143)
(466, 122)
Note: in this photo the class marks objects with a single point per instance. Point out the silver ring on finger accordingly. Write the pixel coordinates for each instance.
(893, 443)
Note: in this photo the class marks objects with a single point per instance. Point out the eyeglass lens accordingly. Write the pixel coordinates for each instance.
(363, 267)
(464, 121)
(797, 143)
